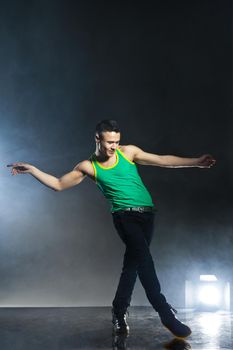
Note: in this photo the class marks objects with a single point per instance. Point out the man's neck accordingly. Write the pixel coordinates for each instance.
(103, 158)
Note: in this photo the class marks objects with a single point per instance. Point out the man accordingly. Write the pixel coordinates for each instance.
(113, 168)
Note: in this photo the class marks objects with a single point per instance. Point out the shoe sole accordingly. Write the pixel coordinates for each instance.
(179, 336)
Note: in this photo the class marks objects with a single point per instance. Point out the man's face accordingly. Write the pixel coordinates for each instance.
(108, 142)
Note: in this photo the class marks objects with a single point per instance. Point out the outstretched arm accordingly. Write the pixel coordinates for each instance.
(169, 161)
(57, 184)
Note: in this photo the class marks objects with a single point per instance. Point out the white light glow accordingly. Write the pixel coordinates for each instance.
(208, 278)
(211, 324)
(209, 295)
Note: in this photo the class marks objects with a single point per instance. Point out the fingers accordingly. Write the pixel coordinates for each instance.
(213, 161)
(18, 168)
(15, 164)
(208, 160)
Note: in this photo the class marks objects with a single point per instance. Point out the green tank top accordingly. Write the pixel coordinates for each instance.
(121, 184)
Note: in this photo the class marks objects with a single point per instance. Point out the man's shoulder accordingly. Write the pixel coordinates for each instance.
(85, 167)
(128, 148)
(129, 151)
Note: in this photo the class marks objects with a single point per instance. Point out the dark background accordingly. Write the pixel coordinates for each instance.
(162, 69)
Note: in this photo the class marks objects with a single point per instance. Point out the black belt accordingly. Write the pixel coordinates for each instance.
(137, 209)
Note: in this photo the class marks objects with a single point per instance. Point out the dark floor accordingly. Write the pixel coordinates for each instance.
(90, 328)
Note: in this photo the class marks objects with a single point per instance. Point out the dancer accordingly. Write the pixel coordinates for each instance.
(113, 168)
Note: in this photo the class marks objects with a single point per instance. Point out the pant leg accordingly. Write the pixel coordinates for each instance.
(130, 265)
(136, 230)
(126, 283)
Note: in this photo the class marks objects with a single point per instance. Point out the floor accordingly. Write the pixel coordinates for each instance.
(90, 329)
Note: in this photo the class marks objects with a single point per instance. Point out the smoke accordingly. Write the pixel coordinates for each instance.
(161, 75)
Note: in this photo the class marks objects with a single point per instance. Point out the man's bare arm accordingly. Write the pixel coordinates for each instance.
(68, 180)
(169, 161)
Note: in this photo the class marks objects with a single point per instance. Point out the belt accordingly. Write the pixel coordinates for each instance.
(137, 209)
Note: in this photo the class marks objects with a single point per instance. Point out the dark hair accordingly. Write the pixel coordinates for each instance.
(106, 125)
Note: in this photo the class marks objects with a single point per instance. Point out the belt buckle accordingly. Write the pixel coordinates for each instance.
(140, 209)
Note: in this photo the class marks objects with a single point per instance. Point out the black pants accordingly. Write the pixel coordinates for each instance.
(136, 231)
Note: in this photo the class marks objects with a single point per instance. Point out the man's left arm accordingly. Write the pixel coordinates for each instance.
(169, 161)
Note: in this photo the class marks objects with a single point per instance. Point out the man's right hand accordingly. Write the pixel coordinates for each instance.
(20, 168)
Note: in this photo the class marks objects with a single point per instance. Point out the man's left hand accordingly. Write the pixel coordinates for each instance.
(206, 161)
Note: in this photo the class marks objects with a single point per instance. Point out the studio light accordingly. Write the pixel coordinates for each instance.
(208, 293)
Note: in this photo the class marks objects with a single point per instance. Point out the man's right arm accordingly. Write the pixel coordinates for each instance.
(68, 180)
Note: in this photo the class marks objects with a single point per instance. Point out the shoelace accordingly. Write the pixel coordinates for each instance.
(172, 308)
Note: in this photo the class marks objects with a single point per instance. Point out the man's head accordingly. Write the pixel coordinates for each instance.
(107, 137)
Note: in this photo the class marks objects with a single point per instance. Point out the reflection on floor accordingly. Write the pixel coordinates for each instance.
(90, 329)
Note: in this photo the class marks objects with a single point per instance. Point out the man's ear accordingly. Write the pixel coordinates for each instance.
(97, 138)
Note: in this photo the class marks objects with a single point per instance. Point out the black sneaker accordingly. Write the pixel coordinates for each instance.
(120, 325)
(170, 321)
(119, 342)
